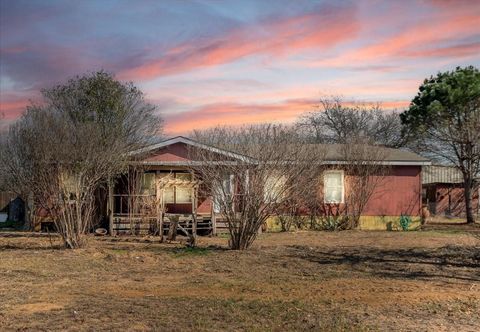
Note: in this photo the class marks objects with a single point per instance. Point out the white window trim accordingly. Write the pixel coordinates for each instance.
(325, 187)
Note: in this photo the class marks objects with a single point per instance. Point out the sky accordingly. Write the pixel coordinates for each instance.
(222, 62)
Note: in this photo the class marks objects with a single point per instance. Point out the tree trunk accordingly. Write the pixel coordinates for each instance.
(468, 199)
(29, 210)
(172, 228)
(193, 237)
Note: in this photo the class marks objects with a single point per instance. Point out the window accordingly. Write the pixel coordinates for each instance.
(169, 195)
(274, 189)
(168, 192)
(177, 194)
(183, 193)
(148, 184)
(333, 188)
(222, 193)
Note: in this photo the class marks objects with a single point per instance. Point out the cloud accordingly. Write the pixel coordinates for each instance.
(425, 38)
(13, 104)
(460, 50)
(238, 114)
(323, 28)
(38, 66)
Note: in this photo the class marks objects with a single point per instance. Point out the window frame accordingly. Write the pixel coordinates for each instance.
(342, 173)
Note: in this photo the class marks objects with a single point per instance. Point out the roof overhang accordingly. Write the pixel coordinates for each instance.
(190, 142)
(242, 158)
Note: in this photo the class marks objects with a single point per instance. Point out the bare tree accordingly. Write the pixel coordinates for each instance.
(270, 165)
(334, 122)
(62, 151)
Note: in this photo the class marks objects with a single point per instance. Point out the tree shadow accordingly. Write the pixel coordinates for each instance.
(30, 247)
(450, 262)
(26, 234)
(154, 245)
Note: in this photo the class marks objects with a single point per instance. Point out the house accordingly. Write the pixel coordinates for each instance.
(443, 192)
(166, 178)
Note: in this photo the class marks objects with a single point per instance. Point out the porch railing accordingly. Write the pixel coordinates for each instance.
(134, 205)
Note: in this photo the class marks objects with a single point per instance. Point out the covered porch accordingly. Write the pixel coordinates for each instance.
(158, 200)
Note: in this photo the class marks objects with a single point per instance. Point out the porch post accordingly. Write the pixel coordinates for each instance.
(193, 200)
(213, 218)
(194, 215)
(160, 205)
(110, 207)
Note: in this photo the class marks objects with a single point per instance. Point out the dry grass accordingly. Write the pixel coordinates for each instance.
(295, 281)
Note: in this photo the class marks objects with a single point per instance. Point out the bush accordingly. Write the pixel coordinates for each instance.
(405, 222)
(332, 223)
(286, 222)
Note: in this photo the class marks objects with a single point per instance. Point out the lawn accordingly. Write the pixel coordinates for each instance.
(355, 280)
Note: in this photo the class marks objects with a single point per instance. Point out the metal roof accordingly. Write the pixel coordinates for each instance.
(441, 174)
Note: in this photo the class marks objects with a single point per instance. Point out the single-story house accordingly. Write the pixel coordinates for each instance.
(443, 192)
(166, 175)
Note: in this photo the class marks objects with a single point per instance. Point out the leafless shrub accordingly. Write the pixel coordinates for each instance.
(269, 168)
(366, 172)
(360, 167)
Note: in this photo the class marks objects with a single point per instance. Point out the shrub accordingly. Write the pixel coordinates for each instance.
(331, 223)
(286, 222)
(405, 222)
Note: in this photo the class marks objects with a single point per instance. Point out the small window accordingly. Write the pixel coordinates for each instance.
(168, 192)
(223, 193)
(183, 193)
(274, 190)
(148, 184)
(169, 195)
(333, 188)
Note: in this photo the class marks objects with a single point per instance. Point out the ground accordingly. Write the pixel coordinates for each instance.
(352, 280)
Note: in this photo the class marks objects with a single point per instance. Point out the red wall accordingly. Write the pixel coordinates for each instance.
(174, 152)
(399, 193)
(453, 193)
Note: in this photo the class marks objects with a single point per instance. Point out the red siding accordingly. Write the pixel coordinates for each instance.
(204, 204)
(450, 200)
(174, 152)
(399, 193)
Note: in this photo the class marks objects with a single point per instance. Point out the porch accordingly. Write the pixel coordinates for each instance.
(153, 200)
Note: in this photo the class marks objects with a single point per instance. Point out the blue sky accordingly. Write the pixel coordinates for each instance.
(227, 62)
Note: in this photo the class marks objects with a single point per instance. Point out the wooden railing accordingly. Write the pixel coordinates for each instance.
(134, 205)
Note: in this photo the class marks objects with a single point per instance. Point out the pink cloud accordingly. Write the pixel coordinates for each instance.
(456, 50)
(11, 110)
(323, 29)
(238, 114)
(419, 40)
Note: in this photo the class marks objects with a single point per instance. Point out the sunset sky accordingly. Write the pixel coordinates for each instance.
(228, 62)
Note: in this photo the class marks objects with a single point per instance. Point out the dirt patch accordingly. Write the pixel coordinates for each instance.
(345, 281)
